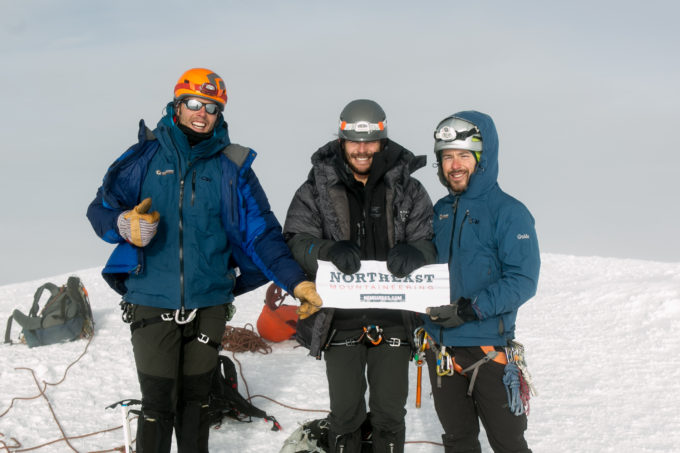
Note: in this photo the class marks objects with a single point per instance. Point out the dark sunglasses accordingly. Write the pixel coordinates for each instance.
(195, 105)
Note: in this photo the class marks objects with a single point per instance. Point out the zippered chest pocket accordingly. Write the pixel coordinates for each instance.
(202, 197)
(467, 235)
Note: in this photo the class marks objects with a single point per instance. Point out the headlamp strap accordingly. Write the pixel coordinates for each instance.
(449, 134)
(362, 126)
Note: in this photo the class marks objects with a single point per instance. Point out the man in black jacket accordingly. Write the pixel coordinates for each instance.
(360, 202)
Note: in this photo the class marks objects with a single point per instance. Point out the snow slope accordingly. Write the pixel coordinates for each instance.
(602, 345)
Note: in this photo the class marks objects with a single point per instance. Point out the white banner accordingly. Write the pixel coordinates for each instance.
(373, 286)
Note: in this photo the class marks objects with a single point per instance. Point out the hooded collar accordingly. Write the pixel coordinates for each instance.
(486, 173)
(172, 137)
(330, 156)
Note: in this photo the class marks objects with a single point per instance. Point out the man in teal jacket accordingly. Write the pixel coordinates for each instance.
(193, 228)
(489, 242)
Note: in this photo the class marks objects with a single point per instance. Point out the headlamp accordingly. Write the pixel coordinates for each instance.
(209, 89)
(362, 126)
(449, 134)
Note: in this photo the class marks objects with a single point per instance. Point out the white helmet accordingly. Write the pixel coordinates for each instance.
(457, 133)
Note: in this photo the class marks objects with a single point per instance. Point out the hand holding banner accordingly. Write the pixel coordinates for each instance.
(373, 286)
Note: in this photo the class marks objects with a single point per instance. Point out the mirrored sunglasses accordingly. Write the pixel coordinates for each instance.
(195, 105)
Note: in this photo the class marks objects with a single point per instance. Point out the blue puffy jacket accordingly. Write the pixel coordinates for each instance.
(488, 239)
(214, 218)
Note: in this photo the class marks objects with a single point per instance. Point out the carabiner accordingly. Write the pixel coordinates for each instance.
(444, 363)
(367, 331)
(180, 317)
(418, 337)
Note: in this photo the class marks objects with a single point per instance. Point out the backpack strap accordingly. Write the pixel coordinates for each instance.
(54, 290)
(51, 287)
(73, 289)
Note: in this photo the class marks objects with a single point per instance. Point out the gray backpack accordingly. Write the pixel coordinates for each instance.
(66, 316)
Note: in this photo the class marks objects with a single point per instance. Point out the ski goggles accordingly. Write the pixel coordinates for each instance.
(449, 134)
(196, 105)
(362, 126)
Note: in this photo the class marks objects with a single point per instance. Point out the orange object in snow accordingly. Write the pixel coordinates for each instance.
(277, 321)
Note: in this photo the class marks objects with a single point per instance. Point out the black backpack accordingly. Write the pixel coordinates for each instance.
(66, 316)
(226, 401)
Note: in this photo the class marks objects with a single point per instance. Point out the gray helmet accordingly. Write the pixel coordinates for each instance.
(457, 133)
(362, 120)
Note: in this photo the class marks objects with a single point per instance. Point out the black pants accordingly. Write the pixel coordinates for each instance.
(175, 374)
(458, 413)
(385, 367)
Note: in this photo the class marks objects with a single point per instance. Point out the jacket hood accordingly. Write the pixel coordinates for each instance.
(173, 138)
(486, 172)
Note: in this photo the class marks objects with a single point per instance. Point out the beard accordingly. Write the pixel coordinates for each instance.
(459, 185)
(358, 171)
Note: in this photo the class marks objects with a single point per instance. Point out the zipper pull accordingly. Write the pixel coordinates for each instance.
(361, 232)
(193, 187)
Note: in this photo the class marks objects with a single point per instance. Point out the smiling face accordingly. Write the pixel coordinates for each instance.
(359, 157)
(196, 120)
(457, 167)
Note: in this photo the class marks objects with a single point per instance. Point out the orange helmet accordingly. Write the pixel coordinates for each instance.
(277, 321)
(202, 83)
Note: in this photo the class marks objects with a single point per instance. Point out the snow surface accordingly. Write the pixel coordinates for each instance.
(602, 345)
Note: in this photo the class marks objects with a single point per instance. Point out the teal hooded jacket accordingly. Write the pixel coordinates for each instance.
(214, 219)
(489, 241)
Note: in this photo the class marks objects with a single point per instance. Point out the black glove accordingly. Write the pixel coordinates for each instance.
(403, 258)
(454, 314)
(345, 255)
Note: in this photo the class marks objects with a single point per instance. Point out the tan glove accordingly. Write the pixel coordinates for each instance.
(138, 226)
(310, 301)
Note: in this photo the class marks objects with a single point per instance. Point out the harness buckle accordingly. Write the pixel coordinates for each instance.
(203, 338)
(169, 316)
(394, 342)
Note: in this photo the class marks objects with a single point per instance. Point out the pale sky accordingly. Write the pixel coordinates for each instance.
(585, 96)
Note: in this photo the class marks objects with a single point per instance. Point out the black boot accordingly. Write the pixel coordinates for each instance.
(192, 427)
(388, 442)
(344, 443)
(154, 432)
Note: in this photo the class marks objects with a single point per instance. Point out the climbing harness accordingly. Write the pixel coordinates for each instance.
(371, 335)
(179, 318)
(446, 362)
(518, 383)
(490, 354)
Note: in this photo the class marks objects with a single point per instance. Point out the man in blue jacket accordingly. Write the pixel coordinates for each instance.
(489, 242)
(193, 228)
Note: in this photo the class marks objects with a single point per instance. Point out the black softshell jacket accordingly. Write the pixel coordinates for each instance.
(320, 212)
